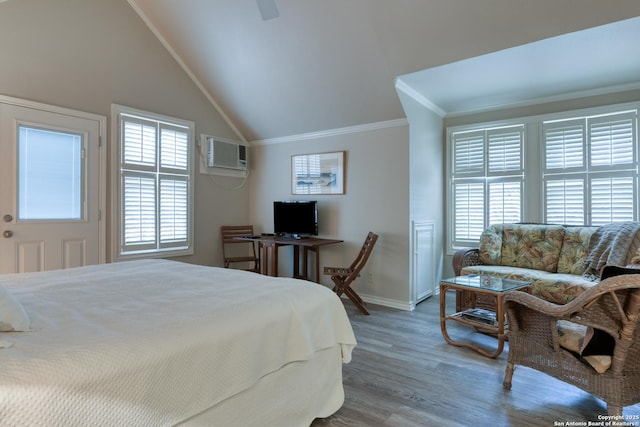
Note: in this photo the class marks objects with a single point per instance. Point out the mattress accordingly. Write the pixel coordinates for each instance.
(157, 342)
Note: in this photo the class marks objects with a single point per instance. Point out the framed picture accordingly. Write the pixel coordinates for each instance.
(318, 173)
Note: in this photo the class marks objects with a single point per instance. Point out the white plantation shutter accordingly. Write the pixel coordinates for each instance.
(565, 201)
(591, 169)
(468, 153)
(468, 211)
(505, 150)
(139, 211)
(174, 148)
(564, 145)
(487, 180)
(173, 211)
(505, 202)
(612, 200)
(155, 176)
(139, 142)
(612, 140)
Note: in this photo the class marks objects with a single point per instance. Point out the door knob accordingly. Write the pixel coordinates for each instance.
(7, 218)
(8, 234)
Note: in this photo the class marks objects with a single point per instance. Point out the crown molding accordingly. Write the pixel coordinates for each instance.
(419, 98)
(333, 132)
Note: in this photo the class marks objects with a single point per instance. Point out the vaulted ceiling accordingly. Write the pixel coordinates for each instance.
(306, 66)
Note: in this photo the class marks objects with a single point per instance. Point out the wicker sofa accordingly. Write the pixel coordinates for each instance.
(559, 261)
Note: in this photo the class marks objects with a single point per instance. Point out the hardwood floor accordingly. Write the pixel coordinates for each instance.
(403, 373)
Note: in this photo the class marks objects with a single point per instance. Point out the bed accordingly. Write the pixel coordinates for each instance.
(163, 343)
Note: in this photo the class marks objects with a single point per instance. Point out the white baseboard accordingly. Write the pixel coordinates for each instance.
(386, 302)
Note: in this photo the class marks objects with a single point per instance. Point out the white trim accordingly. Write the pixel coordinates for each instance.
(186, 69)
(102, 150)
(402, 86)
(333, 132)
(387, 302)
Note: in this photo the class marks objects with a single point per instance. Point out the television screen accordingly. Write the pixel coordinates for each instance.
(295, 218)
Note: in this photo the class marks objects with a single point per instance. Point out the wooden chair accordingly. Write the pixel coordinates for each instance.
(343, 277)
(239, 251)
(611, 309)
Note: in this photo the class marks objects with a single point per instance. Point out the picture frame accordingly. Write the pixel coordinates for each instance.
(318, 173)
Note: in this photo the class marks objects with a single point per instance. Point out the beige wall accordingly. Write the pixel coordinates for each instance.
(376, 199)
(88, 54)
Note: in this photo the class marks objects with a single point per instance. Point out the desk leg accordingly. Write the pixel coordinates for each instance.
(305, 263)
(317, 251)
(264, 261)
(274, 260)
(296, 263)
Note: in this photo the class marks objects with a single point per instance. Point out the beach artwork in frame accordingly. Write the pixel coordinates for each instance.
(318, 173)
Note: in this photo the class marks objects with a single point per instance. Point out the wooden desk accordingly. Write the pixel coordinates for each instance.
(272, 243)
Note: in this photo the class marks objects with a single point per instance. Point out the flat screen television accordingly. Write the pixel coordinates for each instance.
(295, 218)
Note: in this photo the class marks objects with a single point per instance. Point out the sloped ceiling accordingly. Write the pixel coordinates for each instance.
(329, 64)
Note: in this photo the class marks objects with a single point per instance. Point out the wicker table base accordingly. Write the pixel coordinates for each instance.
(489, 321)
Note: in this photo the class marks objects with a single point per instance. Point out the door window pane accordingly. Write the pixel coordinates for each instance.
(49, 175)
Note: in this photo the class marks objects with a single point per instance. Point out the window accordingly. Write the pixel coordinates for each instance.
(154, 184)
(590, 174)
(576, 168)
(487, 180)
(50, 177)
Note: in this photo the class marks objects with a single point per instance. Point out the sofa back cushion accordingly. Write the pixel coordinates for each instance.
(490, 249)
(574, 249)
(535, 246)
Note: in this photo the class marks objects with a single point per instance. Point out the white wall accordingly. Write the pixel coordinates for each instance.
(88, 54)
(376, 199)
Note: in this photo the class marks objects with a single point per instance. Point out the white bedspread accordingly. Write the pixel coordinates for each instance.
(155, 342)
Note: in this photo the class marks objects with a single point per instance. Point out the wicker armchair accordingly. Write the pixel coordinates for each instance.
(612, 306)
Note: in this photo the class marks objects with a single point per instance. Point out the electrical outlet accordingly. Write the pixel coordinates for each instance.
(370, 278)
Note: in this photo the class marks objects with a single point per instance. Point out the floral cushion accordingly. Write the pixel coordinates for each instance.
(559, 288)
(574, 250)
(532, 246)
(490, 250)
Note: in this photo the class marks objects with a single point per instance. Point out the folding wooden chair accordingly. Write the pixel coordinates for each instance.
(343, 277)
(239, 251)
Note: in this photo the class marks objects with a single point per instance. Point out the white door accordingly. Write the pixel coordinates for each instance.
(51, 189)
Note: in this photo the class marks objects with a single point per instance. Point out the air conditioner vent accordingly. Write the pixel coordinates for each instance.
(226, 154)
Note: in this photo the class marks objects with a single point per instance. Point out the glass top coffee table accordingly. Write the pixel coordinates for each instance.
(486, 320)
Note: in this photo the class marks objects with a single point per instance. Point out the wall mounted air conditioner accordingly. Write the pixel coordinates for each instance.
(226, 154)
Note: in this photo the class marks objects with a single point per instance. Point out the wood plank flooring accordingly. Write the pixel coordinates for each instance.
(403, 373)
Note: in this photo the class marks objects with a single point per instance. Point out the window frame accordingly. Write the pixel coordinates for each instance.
(121, 169)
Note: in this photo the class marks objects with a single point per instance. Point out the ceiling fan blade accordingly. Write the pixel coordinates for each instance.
(268, 9)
